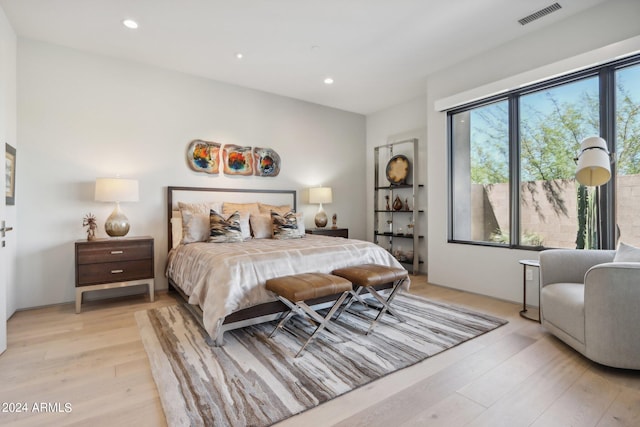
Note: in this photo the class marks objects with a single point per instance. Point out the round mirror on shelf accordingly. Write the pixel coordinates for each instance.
(398, 169)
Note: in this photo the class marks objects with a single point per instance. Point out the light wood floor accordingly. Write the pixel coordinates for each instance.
(517, 375)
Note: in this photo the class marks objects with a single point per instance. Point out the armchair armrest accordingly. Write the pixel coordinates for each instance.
(612, 296)
(569, 265)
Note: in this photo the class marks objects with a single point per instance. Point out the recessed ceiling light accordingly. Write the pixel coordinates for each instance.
(328, 81)
(130, 23)
(239, 55)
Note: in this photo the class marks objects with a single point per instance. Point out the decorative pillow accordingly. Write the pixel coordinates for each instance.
(627, 253)
(285, 226)
(195, 220)
(266, 209)
(229, 208)
(261, 226)
(224, 230)
(200, 207)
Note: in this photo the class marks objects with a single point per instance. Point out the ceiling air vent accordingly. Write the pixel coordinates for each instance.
(539, 14)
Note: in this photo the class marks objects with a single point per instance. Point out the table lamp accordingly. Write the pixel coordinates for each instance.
(116, 190)
(320, 195)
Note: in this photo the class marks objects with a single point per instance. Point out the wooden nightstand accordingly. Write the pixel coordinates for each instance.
(333, 232)
(113, 263)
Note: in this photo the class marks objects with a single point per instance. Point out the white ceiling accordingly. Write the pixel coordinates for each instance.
(379, 52)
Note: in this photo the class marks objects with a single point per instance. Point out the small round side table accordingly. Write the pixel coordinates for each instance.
(531, 263)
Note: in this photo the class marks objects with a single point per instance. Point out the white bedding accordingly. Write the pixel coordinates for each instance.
(225, 277)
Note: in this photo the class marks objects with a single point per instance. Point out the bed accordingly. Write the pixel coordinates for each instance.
(223, 283)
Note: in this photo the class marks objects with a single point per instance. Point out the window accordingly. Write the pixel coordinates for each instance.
(552, 124)
(481, 150)
(512, 162)
(628, 154)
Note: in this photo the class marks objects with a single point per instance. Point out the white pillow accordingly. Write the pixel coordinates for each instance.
(627, 253)
(195, 220)
(245, 228)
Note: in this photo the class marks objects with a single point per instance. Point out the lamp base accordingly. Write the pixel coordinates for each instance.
(321, 219)
(117, 225)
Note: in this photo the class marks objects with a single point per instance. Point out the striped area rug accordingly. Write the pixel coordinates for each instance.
(255, 381)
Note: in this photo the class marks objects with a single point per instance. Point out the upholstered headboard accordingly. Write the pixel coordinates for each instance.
(233, 195)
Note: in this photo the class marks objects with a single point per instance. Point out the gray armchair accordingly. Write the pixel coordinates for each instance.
(592, 304)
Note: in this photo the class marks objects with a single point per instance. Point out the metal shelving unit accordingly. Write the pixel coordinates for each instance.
(389, 224)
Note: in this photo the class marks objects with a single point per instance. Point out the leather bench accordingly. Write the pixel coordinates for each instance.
(294, 290)
(368, 276)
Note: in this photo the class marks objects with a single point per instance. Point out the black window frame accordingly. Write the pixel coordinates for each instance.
(607, 206)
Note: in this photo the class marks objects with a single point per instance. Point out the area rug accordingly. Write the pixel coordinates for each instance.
(254, 380)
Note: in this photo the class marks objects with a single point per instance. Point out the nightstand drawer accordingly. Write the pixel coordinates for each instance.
(114, 251)
(91, 274)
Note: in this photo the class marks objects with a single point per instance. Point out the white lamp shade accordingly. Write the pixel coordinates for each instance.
(116, 190)
(594, 165)
(320, 195)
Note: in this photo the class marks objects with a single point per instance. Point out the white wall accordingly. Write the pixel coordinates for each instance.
(8, 43)
(495, 271)
(397, 123)
(82, 116)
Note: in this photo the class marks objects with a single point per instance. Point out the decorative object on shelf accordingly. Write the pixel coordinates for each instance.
(204, 156)
(334, 221)
(387, 207)
(397, 204)
(10, 172)
(116, 190)
(398, 170)
(237, 160)
(410, 229)
(406, 204)
(409, 255)
(402, 255)
(267, 162)
(89, 221)
(390, 224)
(400, 231)
(320, 195)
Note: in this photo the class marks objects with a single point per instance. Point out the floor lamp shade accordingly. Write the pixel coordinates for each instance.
(320, 195)
(116, 190)
(594, 163)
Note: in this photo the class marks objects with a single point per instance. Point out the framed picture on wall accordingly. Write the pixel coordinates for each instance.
(10, 175)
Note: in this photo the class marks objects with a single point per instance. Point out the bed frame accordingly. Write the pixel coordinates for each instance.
(265, 312)
(260, 313)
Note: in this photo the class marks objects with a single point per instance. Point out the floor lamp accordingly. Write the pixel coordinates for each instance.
(593, 170)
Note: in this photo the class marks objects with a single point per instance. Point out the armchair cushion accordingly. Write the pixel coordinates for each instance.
(564, 308)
